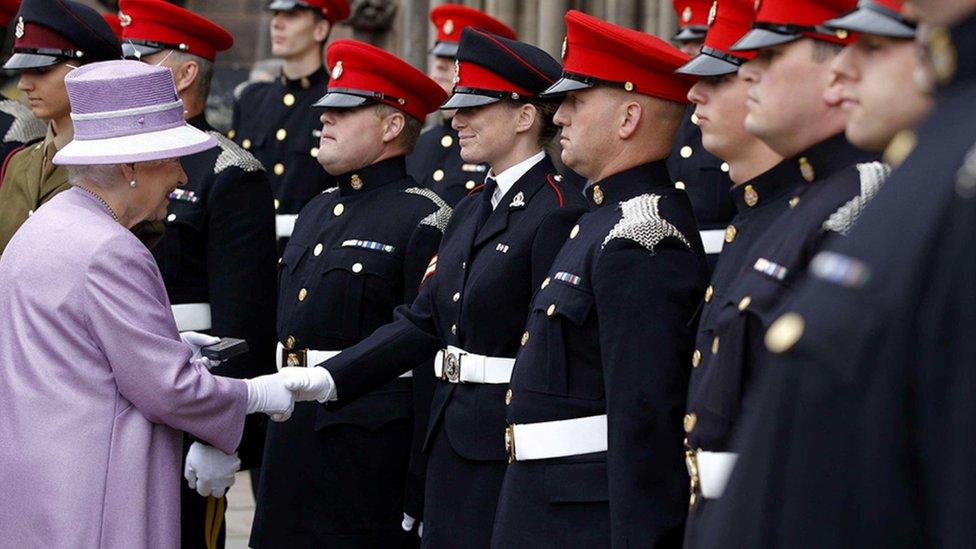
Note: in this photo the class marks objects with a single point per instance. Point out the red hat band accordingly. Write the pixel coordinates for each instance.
(36, 37)
(692, 13)
(729, 21)
(451, 19)
(475, 77)
(164, 35)
(804, 17)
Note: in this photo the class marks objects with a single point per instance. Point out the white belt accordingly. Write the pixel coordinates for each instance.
(712, 240)
(285, 224)
(301, 358)
(456, 365)
(192, 317)
(714, 469)
(554, 439)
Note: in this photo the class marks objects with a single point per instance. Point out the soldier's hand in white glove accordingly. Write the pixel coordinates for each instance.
(196, 341)
(209, 471)
(270, 395)
(310, 383)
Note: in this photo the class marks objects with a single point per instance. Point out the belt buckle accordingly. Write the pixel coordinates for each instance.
(510, 442)
(452, 367)
(691, 462)
(294, 358)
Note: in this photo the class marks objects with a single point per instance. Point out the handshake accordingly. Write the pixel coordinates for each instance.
(276, 394)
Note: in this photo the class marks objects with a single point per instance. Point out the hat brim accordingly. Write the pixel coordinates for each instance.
(564, 85)
(334, 100)
(283, 5)
(24, 61)
(445, 49)
(707, 65)
(690, 34)
(137, 51)
(144, 147)
(871, 22)
(468, 100)
(757, 39)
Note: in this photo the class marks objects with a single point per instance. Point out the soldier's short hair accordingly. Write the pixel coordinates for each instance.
(548, 128)
(825, 51)
(411, 129)
(204, 74)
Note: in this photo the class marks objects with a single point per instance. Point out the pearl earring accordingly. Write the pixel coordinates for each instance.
(133, 183)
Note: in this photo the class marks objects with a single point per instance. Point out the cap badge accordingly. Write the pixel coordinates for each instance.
(19, 31)
(686, 14)
(356, 182)
(337, 70)
(457, 72)
(518, 201)
(597, 195)
(449, 26)
(712, 12)
(751, 197)
(806, 170)
(757, 5)
(565, 44)
(125, 19)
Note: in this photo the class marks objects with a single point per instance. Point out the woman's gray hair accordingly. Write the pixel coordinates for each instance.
(105, 176)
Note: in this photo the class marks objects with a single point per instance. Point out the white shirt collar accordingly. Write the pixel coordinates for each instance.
(507, 179)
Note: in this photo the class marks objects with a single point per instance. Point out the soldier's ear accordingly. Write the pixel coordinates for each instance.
(629, 118)
(185, 75)
(393, 126)
(321, 30)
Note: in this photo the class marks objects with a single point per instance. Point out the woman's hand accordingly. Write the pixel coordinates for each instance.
(270, 394)
(197, 341)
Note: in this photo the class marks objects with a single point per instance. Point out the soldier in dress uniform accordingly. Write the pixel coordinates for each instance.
(217, 256)
(701, 174)
(594, 408)
(337, 477)
(18, 125)
(856, 435)
(271, 119)
(436, 163)
(496, 252)
(51, 38)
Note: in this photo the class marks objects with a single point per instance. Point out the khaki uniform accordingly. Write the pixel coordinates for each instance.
(30, 179)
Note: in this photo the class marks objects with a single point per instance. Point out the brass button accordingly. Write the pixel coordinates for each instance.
(337, 211)
(246, 143)
(629, 86)
(806, 170)
(279, 168)
(171, 217)
(231, 134)
(464, 265)
(314, 152)
(447, 141)
(277, 203)
(574, 232)
(694, 119)
(470, 185)
(709, 292)
(456, 297)
(508, 397)
(290, 342)
(288, 99)
(302, 294)
(357, 267)
(730, 233)
(750, 196)
(724, 166)
(695, 358)
(679, 185)
(794, 201)
(318, 249)
(438, 175)
(715, 345)
(546, 282)
(784, 333)
(744, 304)
(454, 329)
(685, 152)
(690, 420)
(281, 134)
(525, 337)
(551, 310)
(355, 182)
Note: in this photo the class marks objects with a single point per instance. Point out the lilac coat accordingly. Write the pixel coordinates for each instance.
(95, 387)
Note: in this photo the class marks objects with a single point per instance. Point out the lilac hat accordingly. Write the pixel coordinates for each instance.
(127, 111)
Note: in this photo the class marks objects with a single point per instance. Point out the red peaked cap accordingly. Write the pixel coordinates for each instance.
(365, 72)
(8, 9)
(114, 22)
(333, 10)
(451, 19)
(621, 57)
(728, 21)
(160, 22)
(692, 13)
(782, 21)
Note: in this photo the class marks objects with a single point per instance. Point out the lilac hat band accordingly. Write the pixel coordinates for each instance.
(100, 125)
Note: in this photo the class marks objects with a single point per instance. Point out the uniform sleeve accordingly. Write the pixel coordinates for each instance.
(549, 239)
(645, 302)
(130, 320)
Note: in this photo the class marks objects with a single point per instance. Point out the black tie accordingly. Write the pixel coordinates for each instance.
(486, 194)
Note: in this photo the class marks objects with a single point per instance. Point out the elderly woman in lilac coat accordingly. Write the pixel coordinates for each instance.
(95, 382)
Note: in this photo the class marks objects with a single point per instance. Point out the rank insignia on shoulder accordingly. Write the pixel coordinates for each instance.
(771, 269)
(473, 168)
(840, 269)
(568, 278)
(518, 201)
(184, 195)
(369, 245)
(503, 248)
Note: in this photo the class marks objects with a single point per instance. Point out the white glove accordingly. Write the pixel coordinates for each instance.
(196, 341)
(269, 394)
(209, 471)
(310, 383)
